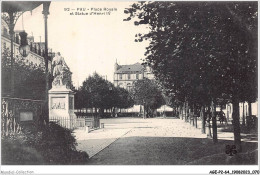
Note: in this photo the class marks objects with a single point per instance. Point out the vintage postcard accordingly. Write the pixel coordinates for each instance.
(88, 84)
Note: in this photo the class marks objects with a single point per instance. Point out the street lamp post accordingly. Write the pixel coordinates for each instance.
(11, 11)
(45, 13)
(11, 32)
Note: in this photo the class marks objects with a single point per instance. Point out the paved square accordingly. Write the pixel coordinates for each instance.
(154, 141)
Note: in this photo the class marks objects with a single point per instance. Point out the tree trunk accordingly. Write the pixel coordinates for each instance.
(113, 112)
(80, 112)
(101, 112)
(176, 112)
(180, 113)
(96, 118)
(246, 110)
(214, 123)
(196, 123)
(144, 113)
(193, 116)
(249, 108)
(244, 120)
(186, 112)
(208, 124)
(236, 122)
(203, 118)
(190, 116)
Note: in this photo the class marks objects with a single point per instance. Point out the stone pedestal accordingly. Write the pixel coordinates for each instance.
(61, 107)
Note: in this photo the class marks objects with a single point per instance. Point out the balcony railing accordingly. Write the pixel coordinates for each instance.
(34, 47)
(37, 50)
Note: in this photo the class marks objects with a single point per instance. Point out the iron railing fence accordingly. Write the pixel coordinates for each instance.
(78, 123)
(17, 111)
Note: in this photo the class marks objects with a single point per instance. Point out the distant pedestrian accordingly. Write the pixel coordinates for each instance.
(222, 117)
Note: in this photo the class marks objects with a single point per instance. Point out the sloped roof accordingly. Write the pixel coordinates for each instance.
(132, 68)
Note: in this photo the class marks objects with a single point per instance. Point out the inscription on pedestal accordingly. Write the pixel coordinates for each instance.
(58, 103)
(61, 105)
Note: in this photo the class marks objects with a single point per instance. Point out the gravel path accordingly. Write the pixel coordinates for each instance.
(163, 142)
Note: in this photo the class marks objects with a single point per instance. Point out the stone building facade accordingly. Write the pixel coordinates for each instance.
(126, 75)
(36, 55)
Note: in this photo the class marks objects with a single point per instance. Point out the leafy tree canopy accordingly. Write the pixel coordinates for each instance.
(201, 50)
(29, 79)
(99, 93)
(145, 92)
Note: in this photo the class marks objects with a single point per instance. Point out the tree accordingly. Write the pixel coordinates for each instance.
(79, 99)
(202, 51)
(145, 92)
(29, 78)
(101, 94)
(123, 98)
(119, 98)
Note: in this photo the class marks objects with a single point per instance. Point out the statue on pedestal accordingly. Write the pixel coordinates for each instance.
(61, 72)
(61, 97)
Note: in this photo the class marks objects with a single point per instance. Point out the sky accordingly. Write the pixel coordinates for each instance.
(88, 43)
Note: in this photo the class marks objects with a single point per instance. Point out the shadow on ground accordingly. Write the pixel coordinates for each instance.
(173, 151)
(243, 129)
(248, 134)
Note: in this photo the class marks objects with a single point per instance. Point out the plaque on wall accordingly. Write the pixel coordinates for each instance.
(26, 116)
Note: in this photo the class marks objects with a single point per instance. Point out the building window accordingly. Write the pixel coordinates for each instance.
(120, 76)
(137, 76)
(129, 76)
(129, 87)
